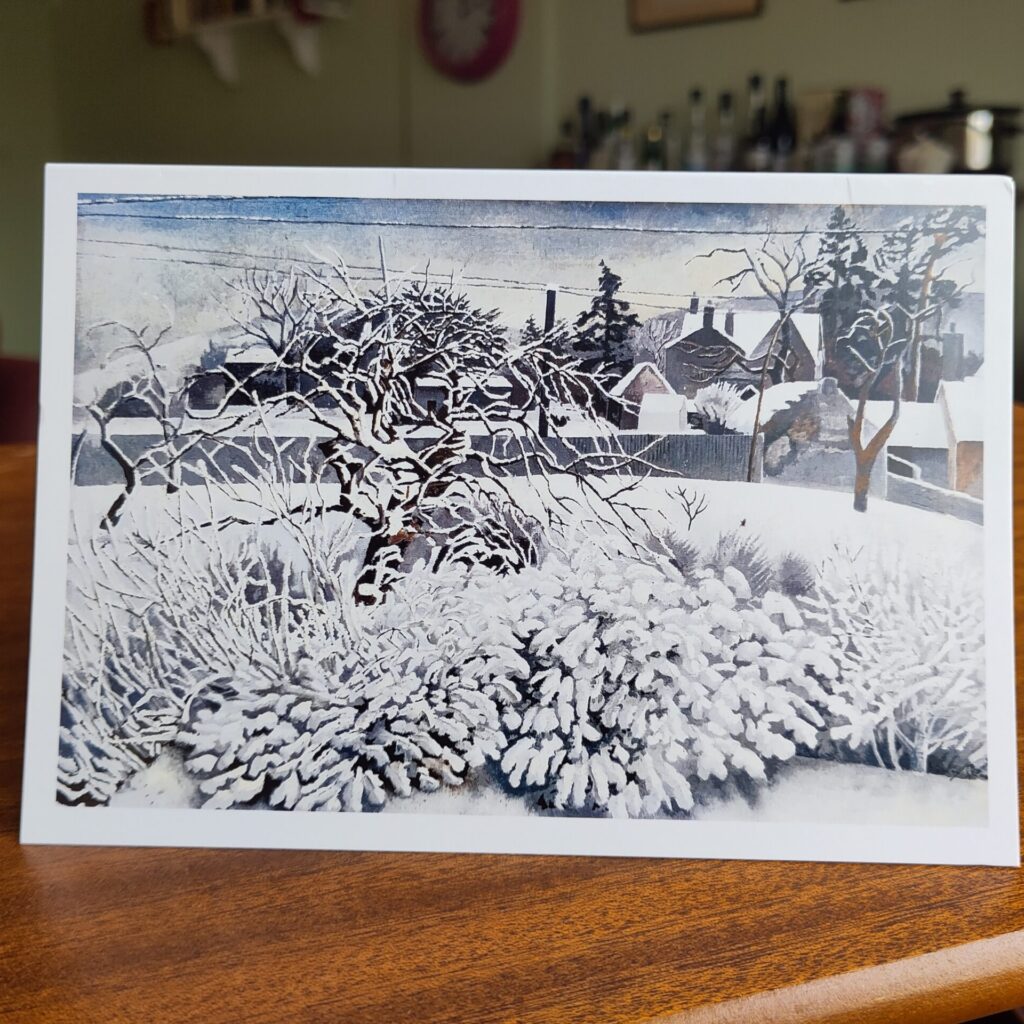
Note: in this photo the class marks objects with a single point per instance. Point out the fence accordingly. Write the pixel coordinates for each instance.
(694, 456)
(921, 494)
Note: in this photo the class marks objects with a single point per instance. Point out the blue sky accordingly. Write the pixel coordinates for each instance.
(145, 258)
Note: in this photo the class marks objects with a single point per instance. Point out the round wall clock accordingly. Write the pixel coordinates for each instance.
(468, 39)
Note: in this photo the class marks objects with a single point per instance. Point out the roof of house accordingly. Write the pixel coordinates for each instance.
(619, 389)
(662, 414)
(965, 404)
(921, 424)
(754, 331)
(257, 353)
(776, 398)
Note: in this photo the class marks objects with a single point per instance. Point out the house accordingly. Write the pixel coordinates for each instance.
(795, 344)
(663, 414)
(120, 400)
(920, 437)
(249, 372)
(963, 408)
(805, 425)
(432, 393)
(628, 394)
(733, 346)
(704, 356)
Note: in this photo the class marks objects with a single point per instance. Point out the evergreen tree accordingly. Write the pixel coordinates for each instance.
(846, 283)
(603, 330)
(531, 330)
(913, 261)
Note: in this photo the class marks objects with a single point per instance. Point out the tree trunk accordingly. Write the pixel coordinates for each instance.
(783, 317)
(113, 515)
(912, 381)
(382, 553)
(861, 485)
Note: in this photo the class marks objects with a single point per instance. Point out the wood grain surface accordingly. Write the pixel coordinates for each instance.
(136, 935)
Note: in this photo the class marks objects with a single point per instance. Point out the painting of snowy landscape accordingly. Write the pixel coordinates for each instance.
(528, 508)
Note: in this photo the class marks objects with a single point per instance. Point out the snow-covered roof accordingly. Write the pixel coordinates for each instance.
(776, 398)
(965, 405)
(752, 326)
(628, 379)
(662, 414)
(429, 380)
(255, 353)
(921, 424)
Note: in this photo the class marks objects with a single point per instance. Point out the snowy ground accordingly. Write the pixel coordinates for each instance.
(805, 790)
(807, 521)
(829, 793)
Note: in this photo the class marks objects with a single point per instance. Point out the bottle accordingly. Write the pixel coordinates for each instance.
(757, 149)
(625, 145)
(697, 144)
(843, 148)
(585, 135)
(654, 149)
(672, 142)
(564, 155)
(601, 156)
(783, 129)
(725, 139)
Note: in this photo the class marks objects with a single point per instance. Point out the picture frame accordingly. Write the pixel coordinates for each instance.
(187, 688)
(653, 15)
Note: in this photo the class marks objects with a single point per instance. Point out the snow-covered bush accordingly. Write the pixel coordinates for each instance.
(744, 553)
(155, 619)
(417, 703)
(795, 576)
(716, 403)
(644, 687)
(685, 556)
(911, 689)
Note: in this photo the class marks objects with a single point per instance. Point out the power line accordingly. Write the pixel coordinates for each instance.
(451, 226)
(485, 285)
(471, 280)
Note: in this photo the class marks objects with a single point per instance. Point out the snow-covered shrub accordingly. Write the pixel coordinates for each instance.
(683, 555)
(794, 575)
(417, 703)
(911, 689)
(716, 403)
(744, 553)
(478, 530)
(154, 619)
(644, 687)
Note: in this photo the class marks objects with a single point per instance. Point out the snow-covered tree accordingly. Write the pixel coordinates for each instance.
(422, 403)
(911, 688)
(913, 262)
(873, 344)
(149, 391)
(847, 284)
(602, 342)
(788, 274)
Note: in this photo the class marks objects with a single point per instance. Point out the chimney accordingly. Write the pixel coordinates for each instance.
(730, 323)
(694, 304)
(709, 317)
(549, 308)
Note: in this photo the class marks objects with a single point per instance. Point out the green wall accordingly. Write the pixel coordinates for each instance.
(80, 83)
(29, 135)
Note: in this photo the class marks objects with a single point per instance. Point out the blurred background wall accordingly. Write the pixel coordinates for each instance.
(81, 83)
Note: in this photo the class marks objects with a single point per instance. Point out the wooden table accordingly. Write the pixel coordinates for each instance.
(135, 935)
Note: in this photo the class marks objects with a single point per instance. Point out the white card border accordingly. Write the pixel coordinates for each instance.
(45, 821)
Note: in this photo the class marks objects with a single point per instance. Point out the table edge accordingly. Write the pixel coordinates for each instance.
(950, 985)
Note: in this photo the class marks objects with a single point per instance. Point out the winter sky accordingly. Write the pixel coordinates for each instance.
(152, 259)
